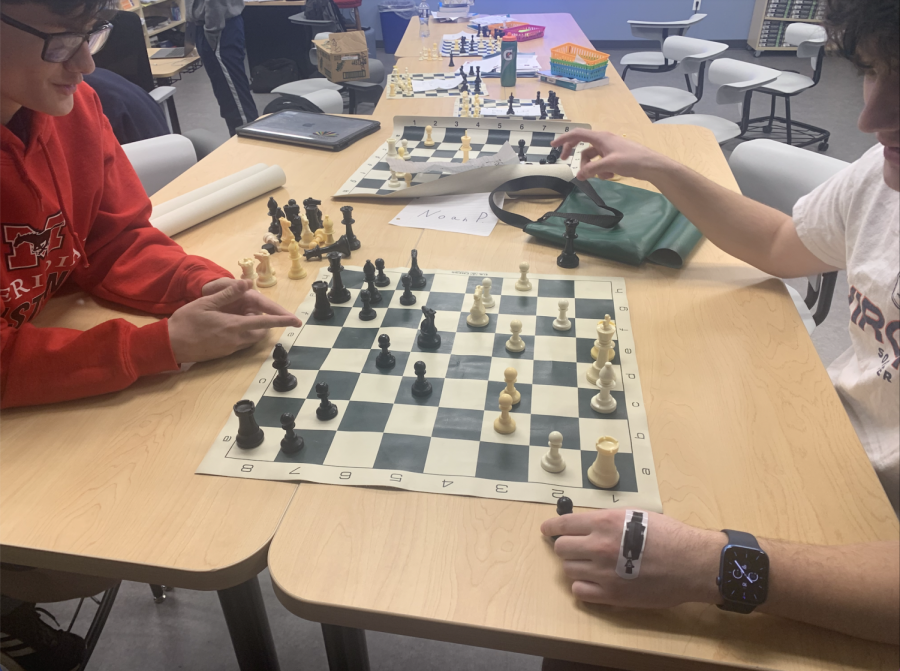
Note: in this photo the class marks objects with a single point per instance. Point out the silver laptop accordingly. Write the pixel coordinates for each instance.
(179, 52)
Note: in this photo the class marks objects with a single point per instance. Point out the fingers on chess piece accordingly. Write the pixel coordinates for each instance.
(505, 424)
(322, 310)
(604, 402)
(292, 441)
(326, 410)
(421, 388)
(385, 360)
(284, 379)
(562, 323)
(509, 376)
(367, 313)
(408, 297)
(523, 283)
(553, 462)
(603, 473)
(515, 343)
(249, 434)
(381, 280)
(487, 300)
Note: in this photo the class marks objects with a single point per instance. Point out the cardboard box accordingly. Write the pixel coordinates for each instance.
(343, 57)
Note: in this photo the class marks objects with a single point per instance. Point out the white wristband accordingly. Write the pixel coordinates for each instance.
(631, 549)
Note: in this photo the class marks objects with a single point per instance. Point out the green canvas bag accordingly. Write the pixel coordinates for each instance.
(616, 221)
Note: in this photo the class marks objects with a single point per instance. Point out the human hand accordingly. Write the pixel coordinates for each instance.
(615, 154)
(230, 316)
(679, 563)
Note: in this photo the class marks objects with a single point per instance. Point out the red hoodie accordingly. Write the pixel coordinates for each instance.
(73, 210)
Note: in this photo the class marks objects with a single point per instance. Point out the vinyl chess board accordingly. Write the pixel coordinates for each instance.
(445, 443)
(488, 136)
(425, 77)
(496, 109)
(483, 47)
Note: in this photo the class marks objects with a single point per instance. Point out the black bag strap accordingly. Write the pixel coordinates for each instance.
(563, 188)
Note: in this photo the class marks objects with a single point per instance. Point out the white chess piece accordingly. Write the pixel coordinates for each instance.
(605, 333)
(429, 141)
(264, 269)
(515, 344)
(392, 147)
(486, 299)
(505, 424)
(307, 237)
(297, 271)
(510, 375)
(477, 315)
(604, 402)
(562, 323)
(328, 228)
(523, 283)
(603, 472)
(393, 182)
(552, 462)
(405, 144)
(247, 270)
(287, 235)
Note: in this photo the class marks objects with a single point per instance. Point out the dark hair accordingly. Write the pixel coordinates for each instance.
(865, 31)
(77, 9)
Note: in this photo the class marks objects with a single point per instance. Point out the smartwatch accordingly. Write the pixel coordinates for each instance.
(743, 573)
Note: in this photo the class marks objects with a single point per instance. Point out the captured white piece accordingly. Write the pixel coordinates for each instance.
(486, 299)
(515, 344)
(477, 316)
(562, 323)
(392, 147)
(552, 462)
(604, 401)
(603, 472)
(264, 270)
(523, 283)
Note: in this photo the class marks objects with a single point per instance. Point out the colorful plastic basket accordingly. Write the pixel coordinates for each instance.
(521, 31)
(563, 62)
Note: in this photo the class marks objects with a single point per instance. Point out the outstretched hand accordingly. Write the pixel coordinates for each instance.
(614, 155)
(679, 564)
(228, 317)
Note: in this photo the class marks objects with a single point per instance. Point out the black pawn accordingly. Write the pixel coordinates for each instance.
(326, 410)
(322, 311)
(367, 314)
(511, 110)
(563, 507)
(339, 293)
(291, 443)
(348, 222)
(369, 273)
(284, 380)
(381, 280)
(249, 434)
(408, 297)
(416, 276)
(385, 359)
(537, 98)
(522, 155)
(568, 258)
(421, 387)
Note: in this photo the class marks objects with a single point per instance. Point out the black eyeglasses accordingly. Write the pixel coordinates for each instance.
(60, 47)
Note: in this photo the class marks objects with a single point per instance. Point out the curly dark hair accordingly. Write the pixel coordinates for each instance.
(77, 9)
(865, 31)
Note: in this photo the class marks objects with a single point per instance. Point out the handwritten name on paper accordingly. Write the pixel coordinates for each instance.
(468, 213)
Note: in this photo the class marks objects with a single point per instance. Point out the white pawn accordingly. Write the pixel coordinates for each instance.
(552, 462)
(392, 147)
(477, 315)
(605, 402)
(264, 269)
(429, 141)
(393, 182)
(562, 323)
(510, 375)
(505, 424)
(486, 299)
(515, 344)
(603, 472)
(405, 144)
(523, 283)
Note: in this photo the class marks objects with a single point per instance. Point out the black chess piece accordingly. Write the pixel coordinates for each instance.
(326, 410)
(385, 359)
(537, 98)
(348, 222)
(462, 72)
(322, 310)
(564, 506)
(416, 276)
(296, 226)
(478, 72)
(554, 155)
(369, 274)
(338, 293)
(568, 258)
(269, 247)
(511, 110)
(284, 380)
(471, 70)
(341, 246)
(462, 45)
(367, 314)
(408, 297)
(291, 210)
(292, 442)
(249, 434)
(452, 64)
(522, 155)
(313, 213)
(428, 338)
(381, 280)
(543, 107)
(275, 213)
(421, 388)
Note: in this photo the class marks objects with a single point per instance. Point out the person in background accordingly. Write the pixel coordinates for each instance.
(131, 112)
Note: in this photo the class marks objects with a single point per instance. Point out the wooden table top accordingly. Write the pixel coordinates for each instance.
(169, 67)
(747, 433)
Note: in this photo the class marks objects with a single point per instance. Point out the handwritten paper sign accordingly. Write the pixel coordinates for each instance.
(468, 213)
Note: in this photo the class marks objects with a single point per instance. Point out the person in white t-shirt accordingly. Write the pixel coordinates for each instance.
(850, 222)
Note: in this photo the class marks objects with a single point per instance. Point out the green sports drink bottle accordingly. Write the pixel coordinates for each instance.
(508, 50)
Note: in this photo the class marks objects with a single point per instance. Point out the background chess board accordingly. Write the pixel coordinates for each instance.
(482, 48)
(428, 76)
(488, 103)
(487, 135)
(383, 436)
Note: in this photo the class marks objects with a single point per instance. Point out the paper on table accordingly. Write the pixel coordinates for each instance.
(468, 213)
(525, 62)
(457, 36)
(436, 84)
(505, 156)
(490, 18)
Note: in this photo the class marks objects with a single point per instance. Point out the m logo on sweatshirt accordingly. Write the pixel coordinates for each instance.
(27, 246)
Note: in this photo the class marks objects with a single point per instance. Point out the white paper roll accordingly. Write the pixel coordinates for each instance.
(219, 201)
(175, 203)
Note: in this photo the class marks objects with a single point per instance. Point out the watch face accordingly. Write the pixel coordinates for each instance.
(745, 575)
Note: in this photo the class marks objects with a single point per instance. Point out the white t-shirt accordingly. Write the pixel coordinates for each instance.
(852, 221)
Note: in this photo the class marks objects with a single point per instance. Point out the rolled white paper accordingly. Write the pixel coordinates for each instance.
(190, 196)
(219, 201)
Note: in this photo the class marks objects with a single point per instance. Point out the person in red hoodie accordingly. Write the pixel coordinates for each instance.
(73, 212)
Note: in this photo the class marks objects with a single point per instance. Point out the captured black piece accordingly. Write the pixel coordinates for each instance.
(408, 297)
(249, 434)
(341, 246)
(381, 280)
(292, 214)
(326, 410)
(322, 310)
(276, 214)
(367, 314)
(385, 359)
(292, 441)
(428, 338)
(421, 387)
(284, 380)
(563, 507)
(568, 258)
(416, 276)
(339, 293)
(369, 273)
(633, 542)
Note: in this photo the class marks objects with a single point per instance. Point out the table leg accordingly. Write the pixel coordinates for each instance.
(345, 648)
(248, 625)
(173, 115)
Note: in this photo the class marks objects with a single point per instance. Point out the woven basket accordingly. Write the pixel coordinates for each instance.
(521, 31)
(563, 62)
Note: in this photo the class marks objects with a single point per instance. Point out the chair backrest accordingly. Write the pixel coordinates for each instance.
(691, 52)
(810, 40)
(159, 160)
(125, 52)
(735, 78)
(660, 30)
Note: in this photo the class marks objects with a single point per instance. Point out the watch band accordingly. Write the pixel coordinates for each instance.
(743, 539)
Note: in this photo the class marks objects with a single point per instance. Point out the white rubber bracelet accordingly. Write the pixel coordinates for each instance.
(631, 549)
